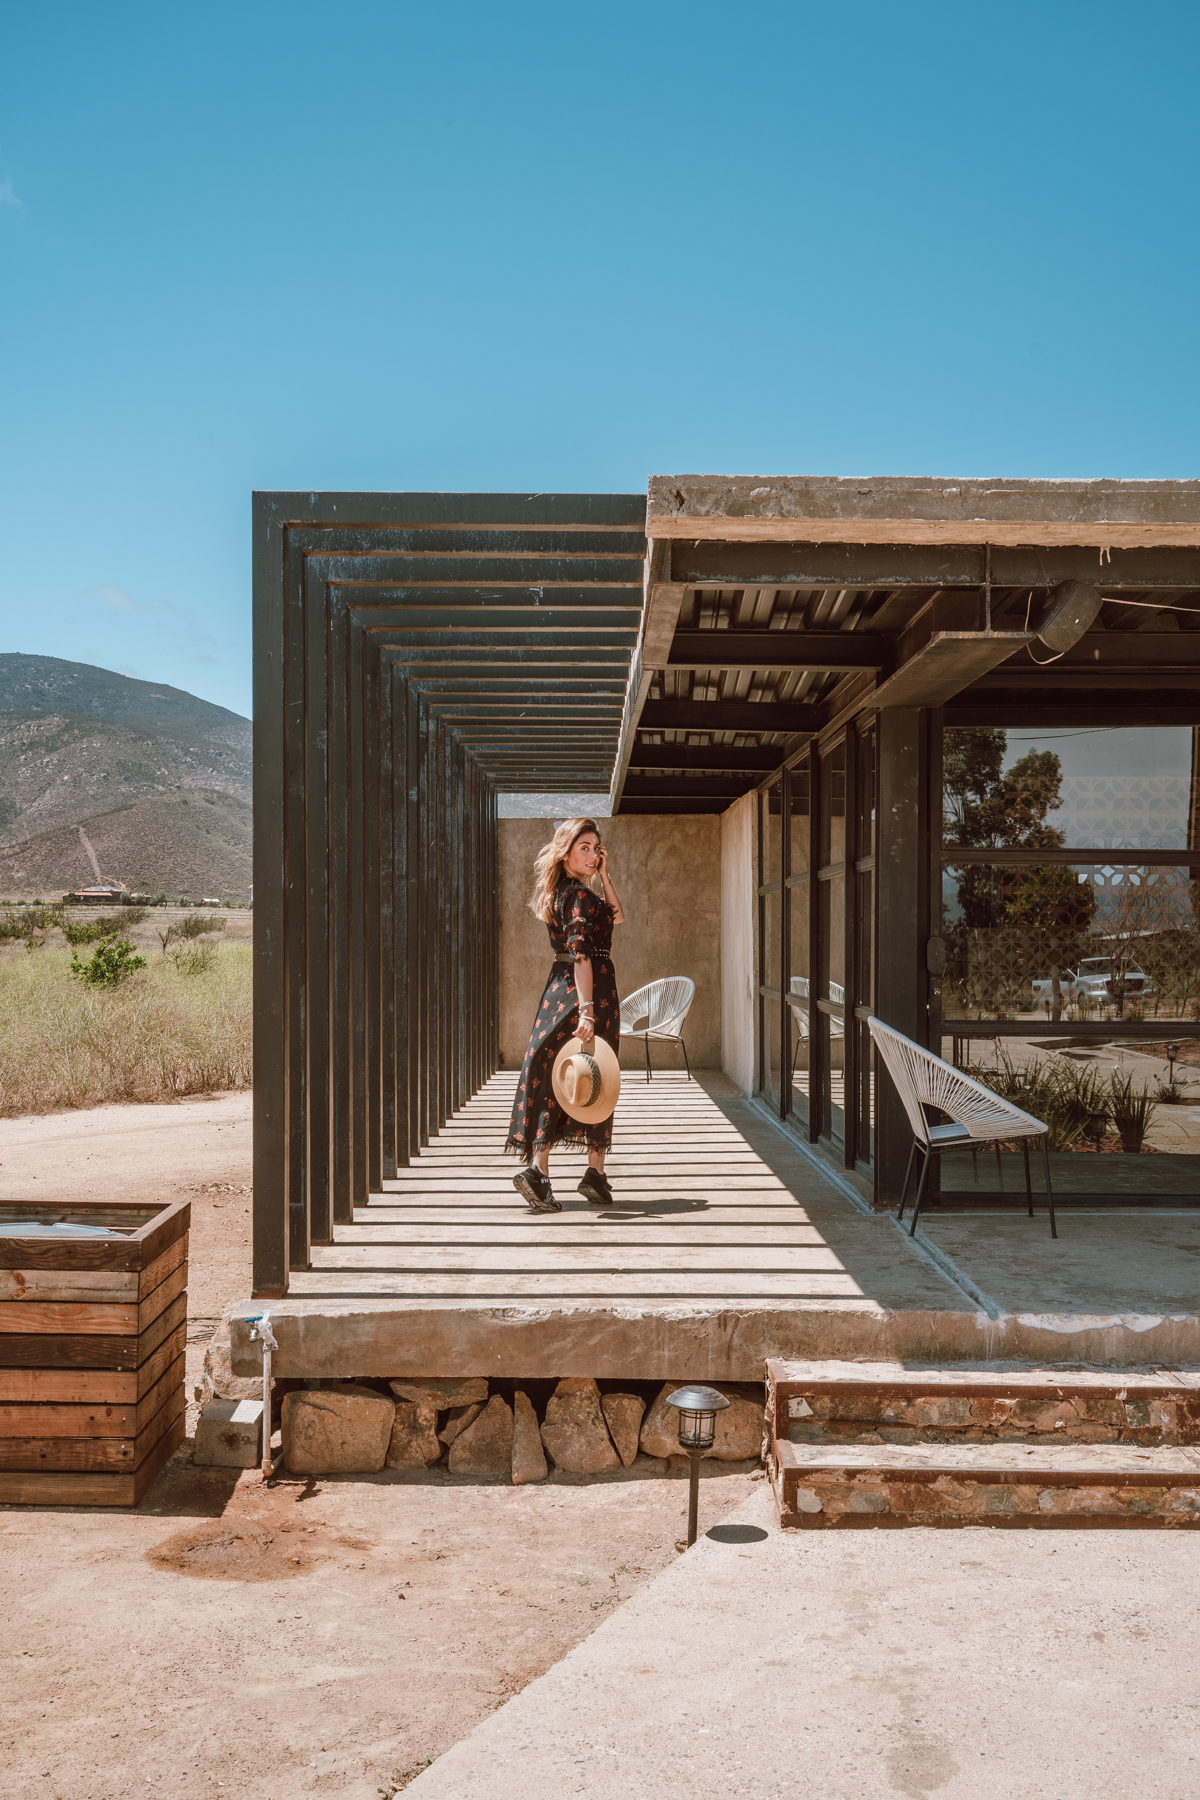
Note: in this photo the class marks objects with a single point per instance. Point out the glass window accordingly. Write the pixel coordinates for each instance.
(1071, 941)
(833, 805)
(866, 794)
(1124, 788)
(800, 813)
(772, 963)
(771, 837)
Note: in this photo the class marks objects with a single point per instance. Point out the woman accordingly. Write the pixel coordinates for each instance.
(580, 1000)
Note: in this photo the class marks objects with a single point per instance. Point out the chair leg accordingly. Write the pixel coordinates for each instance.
(999, 1166)
(904, 1189)
(1049, 1188)
(646, 1042)
(912, 1230)
(1028, 1183)
(687, 1065)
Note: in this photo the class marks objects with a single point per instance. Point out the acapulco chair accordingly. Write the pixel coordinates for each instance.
(664, 1006)
(978, 1115)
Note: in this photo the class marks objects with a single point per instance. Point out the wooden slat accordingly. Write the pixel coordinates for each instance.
(76, 1350)
(91, 1387)
(99, 1454)
(91, 1287)
(733, 1285)
(79, 1318)
(50, 1488)
(64, 1419)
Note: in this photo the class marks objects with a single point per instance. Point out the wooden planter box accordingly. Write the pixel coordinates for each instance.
(92, 1339)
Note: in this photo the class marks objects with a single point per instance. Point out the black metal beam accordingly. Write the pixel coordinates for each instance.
(767, 564)
(731, 715)
(669, 806)
(699, 787)
(1122, 709)
(832, 650)
(706, 756)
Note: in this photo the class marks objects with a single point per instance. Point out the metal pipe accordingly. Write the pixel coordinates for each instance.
(260, 1327)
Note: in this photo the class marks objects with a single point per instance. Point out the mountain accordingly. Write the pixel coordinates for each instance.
(48, 684)
(56, 769)
(157, 783)
(196, 843)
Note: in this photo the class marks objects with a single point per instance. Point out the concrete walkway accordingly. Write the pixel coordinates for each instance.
(855, 1665)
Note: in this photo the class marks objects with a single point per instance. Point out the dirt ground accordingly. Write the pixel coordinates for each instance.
(326, 1635)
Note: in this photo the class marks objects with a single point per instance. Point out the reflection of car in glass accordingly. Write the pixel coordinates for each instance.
(1096, 979)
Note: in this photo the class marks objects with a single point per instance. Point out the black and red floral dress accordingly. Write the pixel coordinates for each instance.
(581, 926)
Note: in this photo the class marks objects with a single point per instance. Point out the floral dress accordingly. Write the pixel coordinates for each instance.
(581, 927)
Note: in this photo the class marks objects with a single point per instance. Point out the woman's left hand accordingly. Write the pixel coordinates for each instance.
(602, 862)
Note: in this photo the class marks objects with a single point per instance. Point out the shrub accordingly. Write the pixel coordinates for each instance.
(109, 963)
(182, 930)
(93, 929)
(1062, 1095)
(193, 959)
(1132, 1112)
(23, 921)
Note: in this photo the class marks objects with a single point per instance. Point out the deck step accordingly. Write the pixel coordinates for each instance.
(835, 1404)
(822, 1486)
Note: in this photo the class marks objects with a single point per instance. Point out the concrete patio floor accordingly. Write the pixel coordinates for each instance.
(845, 1666)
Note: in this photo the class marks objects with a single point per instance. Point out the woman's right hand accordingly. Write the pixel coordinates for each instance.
(585, 1030)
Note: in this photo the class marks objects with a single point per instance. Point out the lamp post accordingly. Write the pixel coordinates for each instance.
(698, 1408)
(1097, 1120)
(1172, 1053)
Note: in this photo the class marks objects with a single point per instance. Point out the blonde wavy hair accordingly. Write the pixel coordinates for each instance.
(547, 869)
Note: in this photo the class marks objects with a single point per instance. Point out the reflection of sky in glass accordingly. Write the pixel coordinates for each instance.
(1128, 787)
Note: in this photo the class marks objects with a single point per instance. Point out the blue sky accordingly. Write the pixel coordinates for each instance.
(553, 247)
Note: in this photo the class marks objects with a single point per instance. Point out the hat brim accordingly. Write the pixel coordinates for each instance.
(605, 1103)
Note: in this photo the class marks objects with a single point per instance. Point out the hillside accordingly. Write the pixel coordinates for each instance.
(198, 844)
(48, 684)
(56, 769)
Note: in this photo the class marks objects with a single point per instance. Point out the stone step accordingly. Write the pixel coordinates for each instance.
(827, 1403)
(822, 1486)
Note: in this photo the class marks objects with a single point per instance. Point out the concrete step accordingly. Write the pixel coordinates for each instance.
(833, 1404)
(823, 1486)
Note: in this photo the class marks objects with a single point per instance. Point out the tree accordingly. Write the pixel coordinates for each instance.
(1015, 925)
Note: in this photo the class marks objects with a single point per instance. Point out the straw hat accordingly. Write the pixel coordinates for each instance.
(587, 1083)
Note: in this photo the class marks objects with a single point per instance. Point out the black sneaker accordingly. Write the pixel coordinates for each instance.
(534, 1188)
(595, 1188)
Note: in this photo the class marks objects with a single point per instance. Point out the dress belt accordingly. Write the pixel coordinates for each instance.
(568, 962)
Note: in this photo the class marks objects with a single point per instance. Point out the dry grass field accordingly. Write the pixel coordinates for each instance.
(170, 1030)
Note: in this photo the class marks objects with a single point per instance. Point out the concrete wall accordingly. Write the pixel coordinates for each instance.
(738, 915)
(667, 870)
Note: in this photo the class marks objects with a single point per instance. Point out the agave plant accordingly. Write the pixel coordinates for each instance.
(1132, 1111)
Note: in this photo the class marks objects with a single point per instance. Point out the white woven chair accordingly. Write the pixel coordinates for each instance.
(978, 1115)
(664, 1006)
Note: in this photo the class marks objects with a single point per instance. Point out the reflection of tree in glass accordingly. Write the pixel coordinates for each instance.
(1148, 922)
(1016, 925)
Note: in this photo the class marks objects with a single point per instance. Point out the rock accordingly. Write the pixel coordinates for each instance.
(575, 1433)
(486, 1447)
(414, 1443)
(229, 1434)
(528, 1457)
(442, 1391)
(460, 1418)
(217, 1380)
(623, 1416)
(337, 1430)
(739, 1428)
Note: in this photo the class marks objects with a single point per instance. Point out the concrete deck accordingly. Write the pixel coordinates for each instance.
(728, 1244)
(849, 1666)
